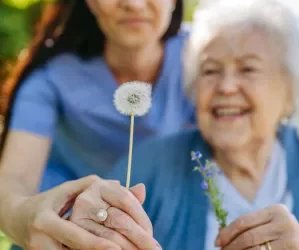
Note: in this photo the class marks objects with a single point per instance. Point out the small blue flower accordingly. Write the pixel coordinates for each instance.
(204, 185)
(209, 174)
(196, 155)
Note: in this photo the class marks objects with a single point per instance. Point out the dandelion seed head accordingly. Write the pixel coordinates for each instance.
(133, 98)
(209, 174)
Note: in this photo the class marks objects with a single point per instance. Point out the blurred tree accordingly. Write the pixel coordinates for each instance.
(14, 30)
(16, 26)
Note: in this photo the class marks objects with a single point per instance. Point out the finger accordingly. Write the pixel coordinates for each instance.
(117, 182)
(120, 197)
(105, 232)
(117, 220)
(283, 244)
(255, 236)
(42, 241)
(73, 236)
(242, 224)
(92, 205)
(139, 192)
(125, 225)
(87, 206)
(114, 181)
(69, 191)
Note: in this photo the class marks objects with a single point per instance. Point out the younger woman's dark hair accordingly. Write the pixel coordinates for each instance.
(73, 29)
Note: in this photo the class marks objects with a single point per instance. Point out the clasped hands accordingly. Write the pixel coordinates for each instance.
(122, 223)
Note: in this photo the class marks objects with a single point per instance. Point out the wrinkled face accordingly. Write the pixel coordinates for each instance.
(132, 23)
(242, 89)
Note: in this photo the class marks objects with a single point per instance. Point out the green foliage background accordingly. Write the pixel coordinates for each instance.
(16, 27)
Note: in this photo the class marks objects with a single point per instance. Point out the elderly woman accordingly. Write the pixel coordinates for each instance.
(241, 71)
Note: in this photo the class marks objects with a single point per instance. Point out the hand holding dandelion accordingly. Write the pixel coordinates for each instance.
(132, 99)
(208, 171)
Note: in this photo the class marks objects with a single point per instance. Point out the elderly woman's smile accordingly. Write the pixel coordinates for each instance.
(229, 112)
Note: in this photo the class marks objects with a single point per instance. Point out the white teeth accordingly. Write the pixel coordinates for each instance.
(228, 111)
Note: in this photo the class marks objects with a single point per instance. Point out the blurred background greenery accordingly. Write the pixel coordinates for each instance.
(16, 28)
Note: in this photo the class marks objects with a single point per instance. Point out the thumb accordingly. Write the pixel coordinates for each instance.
(139, 192)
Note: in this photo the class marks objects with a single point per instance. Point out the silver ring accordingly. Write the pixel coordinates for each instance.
(102, 215)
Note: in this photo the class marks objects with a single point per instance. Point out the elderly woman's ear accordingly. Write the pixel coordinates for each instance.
(289, 109)
(290, 102)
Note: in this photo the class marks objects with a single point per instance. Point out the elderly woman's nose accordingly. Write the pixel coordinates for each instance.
(228, 85)
(135, 4)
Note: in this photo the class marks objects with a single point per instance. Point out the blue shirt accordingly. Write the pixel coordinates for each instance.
(71, 101)
(175, 203)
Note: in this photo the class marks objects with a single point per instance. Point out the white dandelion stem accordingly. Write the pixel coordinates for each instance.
(132, 99)
(129, 170)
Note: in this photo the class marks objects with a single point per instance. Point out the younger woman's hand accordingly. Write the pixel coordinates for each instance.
(42, 227)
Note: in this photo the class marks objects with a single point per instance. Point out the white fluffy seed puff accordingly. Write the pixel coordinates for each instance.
(133, 98)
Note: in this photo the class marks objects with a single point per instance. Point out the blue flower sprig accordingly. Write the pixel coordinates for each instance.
(208, 171)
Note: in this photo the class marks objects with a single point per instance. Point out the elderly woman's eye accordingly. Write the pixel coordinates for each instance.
(210, 71)
(248, 69)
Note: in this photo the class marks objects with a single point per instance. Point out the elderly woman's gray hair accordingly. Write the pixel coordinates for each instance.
(273, 16)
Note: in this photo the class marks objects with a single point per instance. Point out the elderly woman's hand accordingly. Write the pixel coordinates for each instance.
(111, 211)
(274, 226)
